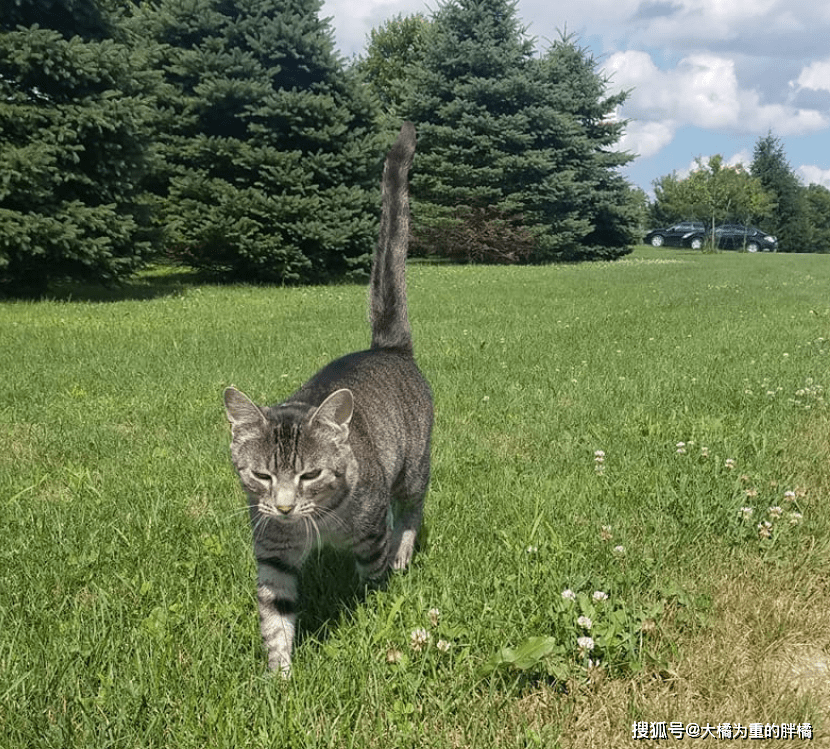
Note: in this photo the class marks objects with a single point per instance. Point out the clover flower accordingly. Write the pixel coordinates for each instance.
(568, 595)
(729, 464)
(393, 655)
(775, 511)
(795, 518)
(586, 644)
(765, 529)
(443, 646)
(600, 596)
(620, 550)
(789, 496)
(434, 615)
(418, 639)
(605, 532)
(585, 622)
(746, 512)
(681, 448)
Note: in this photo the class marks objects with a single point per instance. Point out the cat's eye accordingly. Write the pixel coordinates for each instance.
(262, 476)
(311, 475)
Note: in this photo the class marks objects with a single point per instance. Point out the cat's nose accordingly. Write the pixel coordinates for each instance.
(285, 509)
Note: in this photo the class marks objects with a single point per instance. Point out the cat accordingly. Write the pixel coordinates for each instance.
(345, 460)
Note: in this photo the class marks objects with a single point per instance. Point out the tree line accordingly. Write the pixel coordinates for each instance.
(229, 135)
(767, 193)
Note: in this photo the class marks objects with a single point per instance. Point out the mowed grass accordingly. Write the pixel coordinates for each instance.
(127, 609)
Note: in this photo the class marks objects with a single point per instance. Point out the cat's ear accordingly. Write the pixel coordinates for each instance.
(337, 409)
(241, 410)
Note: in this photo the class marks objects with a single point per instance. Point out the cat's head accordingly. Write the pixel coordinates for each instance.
(292, 459)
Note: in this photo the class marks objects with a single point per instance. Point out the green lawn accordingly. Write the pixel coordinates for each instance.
(127, 611)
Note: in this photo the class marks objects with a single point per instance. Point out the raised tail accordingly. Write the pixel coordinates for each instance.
(387, 291)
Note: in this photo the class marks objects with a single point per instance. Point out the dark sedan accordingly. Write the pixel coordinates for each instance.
(674, 236)
(735, 237)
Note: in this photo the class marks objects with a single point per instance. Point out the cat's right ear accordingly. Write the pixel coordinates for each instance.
(241, 410)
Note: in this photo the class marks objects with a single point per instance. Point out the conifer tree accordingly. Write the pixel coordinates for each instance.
(271, 152)
(74, 126)
(789, 218)
(517, 139)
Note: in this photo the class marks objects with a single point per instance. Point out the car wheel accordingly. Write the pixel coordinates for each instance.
(752, 247)
(657, 241)
(696, 243)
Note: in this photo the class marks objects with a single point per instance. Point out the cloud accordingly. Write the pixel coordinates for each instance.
(815, 76)
(703, 90)
(647, 138)
(814, 175)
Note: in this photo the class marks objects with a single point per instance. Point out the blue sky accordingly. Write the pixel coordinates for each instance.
(707, 76)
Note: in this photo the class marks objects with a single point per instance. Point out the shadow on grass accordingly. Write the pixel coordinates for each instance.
(331, 589)
(152, 283)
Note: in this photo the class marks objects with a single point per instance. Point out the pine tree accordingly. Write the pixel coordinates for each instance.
(770, 165)
(74, 127)
(272, 156)
(817, 198)
(508, 139)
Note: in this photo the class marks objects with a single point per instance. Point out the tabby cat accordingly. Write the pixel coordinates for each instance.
(345, 460)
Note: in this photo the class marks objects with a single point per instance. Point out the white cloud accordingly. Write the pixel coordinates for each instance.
(814, 175)
(815, 76)
(702, 90)
(647, 138)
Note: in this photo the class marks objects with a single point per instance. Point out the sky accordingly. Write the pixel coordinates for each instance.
(706, 76)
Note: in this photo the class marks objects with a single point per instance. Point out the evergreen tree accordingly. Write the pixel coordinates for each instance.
(272, 156)
(507, 138)
(817, 199)
(74, 126)
(769, 164)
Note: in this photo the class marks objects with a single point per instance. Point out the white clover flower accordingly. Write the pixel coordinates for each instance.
(434, 615)
(600, 596)
(532, 549)
(746, 512)
(584, 622)
(443, 646)
(585, 643)
(599, 456)
(775, 511)
(619, 550)
(789, 496)
(568, 595)
(681, 448)
(765, 529)
(730, 463)
(418, 639)
(795, 518)
(704, 452)
(751, 492)
(393, 655)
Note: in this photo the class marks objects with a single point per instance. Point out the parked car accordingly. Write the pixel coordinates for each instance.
(735, 237)
(674, 236)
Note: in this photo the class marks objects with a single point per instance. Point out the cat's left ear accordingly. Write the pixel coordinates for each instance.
(337, 409)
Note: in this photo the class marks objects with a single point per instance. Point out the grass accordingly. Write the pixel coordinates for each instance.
(127, 612)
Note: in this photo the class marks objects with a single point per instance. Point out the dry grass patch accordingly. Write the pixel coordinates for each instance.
(765, 658)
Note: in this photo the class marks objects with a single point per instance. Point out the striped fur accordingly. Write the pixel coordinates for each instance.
(348, 451)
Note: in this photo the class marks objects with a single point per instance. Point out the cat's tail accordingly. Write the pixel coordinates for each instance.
(387, 294)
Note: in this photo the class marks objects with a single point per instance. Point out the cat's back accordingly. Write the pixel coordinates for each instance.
(378, 379)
